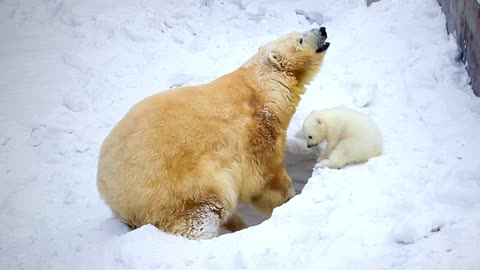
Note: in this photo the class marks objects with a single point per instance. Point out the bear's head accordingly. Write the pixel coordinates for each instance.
(314, 130)
(298, 54)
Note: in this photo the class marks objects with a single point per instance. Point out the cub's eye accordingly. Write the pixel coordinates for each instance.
(310, 137)
(300, 41)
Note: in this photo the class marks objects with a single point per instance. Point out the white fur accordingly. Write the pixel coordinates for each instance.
(351, 136)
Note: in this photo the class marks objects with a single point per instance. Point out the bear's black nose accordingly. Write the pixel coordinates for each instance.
(323, 32)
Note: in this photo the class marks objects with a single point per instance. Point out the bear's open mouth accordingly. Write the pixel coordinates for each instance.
(323, 47)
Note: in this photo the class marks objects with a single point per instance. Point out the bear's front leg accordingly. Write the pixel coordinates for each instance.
(331, 144)
(322, 156)
(337, 160)
(277, 191)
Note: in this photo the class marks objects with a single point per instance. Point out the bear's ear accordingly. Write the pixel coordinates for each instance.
(275, 59)
(319, 122)
(300, 44)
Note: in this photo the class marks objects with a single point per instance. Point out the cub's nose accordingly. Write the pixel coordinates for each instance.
(323, 32)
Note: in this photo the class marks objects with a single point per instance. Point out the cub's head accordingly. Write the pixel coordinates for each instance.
(314, 130)
(298, 54)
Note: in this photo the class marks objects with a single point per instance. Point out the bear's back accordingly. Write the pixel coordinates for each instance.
(169, 145)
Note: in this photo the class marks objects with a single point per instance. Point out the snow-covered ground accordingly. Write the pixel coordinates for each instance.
(71, 69)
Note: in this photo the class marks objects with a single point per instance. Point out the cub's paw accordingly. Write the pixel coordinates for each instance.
(321, 165)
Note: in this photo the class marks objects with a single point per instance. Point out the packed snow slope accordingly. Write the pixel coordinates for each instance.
(71, 69)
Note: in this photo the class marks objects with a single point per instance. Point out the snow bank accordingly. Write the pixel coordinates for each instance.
(71, 69)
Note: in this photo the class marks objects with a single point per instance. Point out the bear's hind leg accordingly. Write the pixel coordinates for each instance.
(277, 192)
(235, 223)
(201, 221)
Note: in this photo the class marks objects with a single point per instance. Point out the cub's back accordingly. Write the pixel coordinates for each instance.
(353, 122)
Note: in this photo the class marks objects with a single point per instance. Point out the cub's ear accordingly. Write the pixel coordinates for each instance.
(275, 59)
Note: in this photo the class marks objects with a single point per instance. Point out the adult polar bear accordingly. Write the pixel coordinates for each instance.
(182, 159)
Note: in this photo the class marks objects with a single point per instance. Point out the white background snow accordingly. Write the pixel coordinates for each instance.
(71, 69)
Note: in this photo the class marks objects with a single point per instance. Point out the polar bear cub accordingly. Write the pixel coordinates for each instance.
(351, 136)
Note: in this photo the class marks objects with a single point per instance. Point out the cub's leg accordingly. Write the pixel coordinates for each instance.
(331, 144)
(338, 158)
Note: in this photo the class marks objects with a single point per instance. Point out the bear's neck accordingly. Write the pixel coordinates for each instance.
(279, 93)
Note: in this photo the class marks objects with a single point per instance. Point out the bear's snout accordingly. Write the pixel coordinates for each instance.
(322, 37)
(323, 32)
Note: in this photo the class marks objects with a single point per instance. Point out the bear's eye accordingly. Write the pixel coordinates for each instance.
(300, 41)
(310, 137)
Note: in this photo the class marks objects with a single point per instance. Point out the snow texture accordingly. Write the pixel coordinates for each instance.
(72, 69)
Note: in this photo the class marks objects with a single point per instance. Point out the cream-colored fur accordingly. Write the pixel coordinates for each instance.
(351, 136)
(182, 159)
